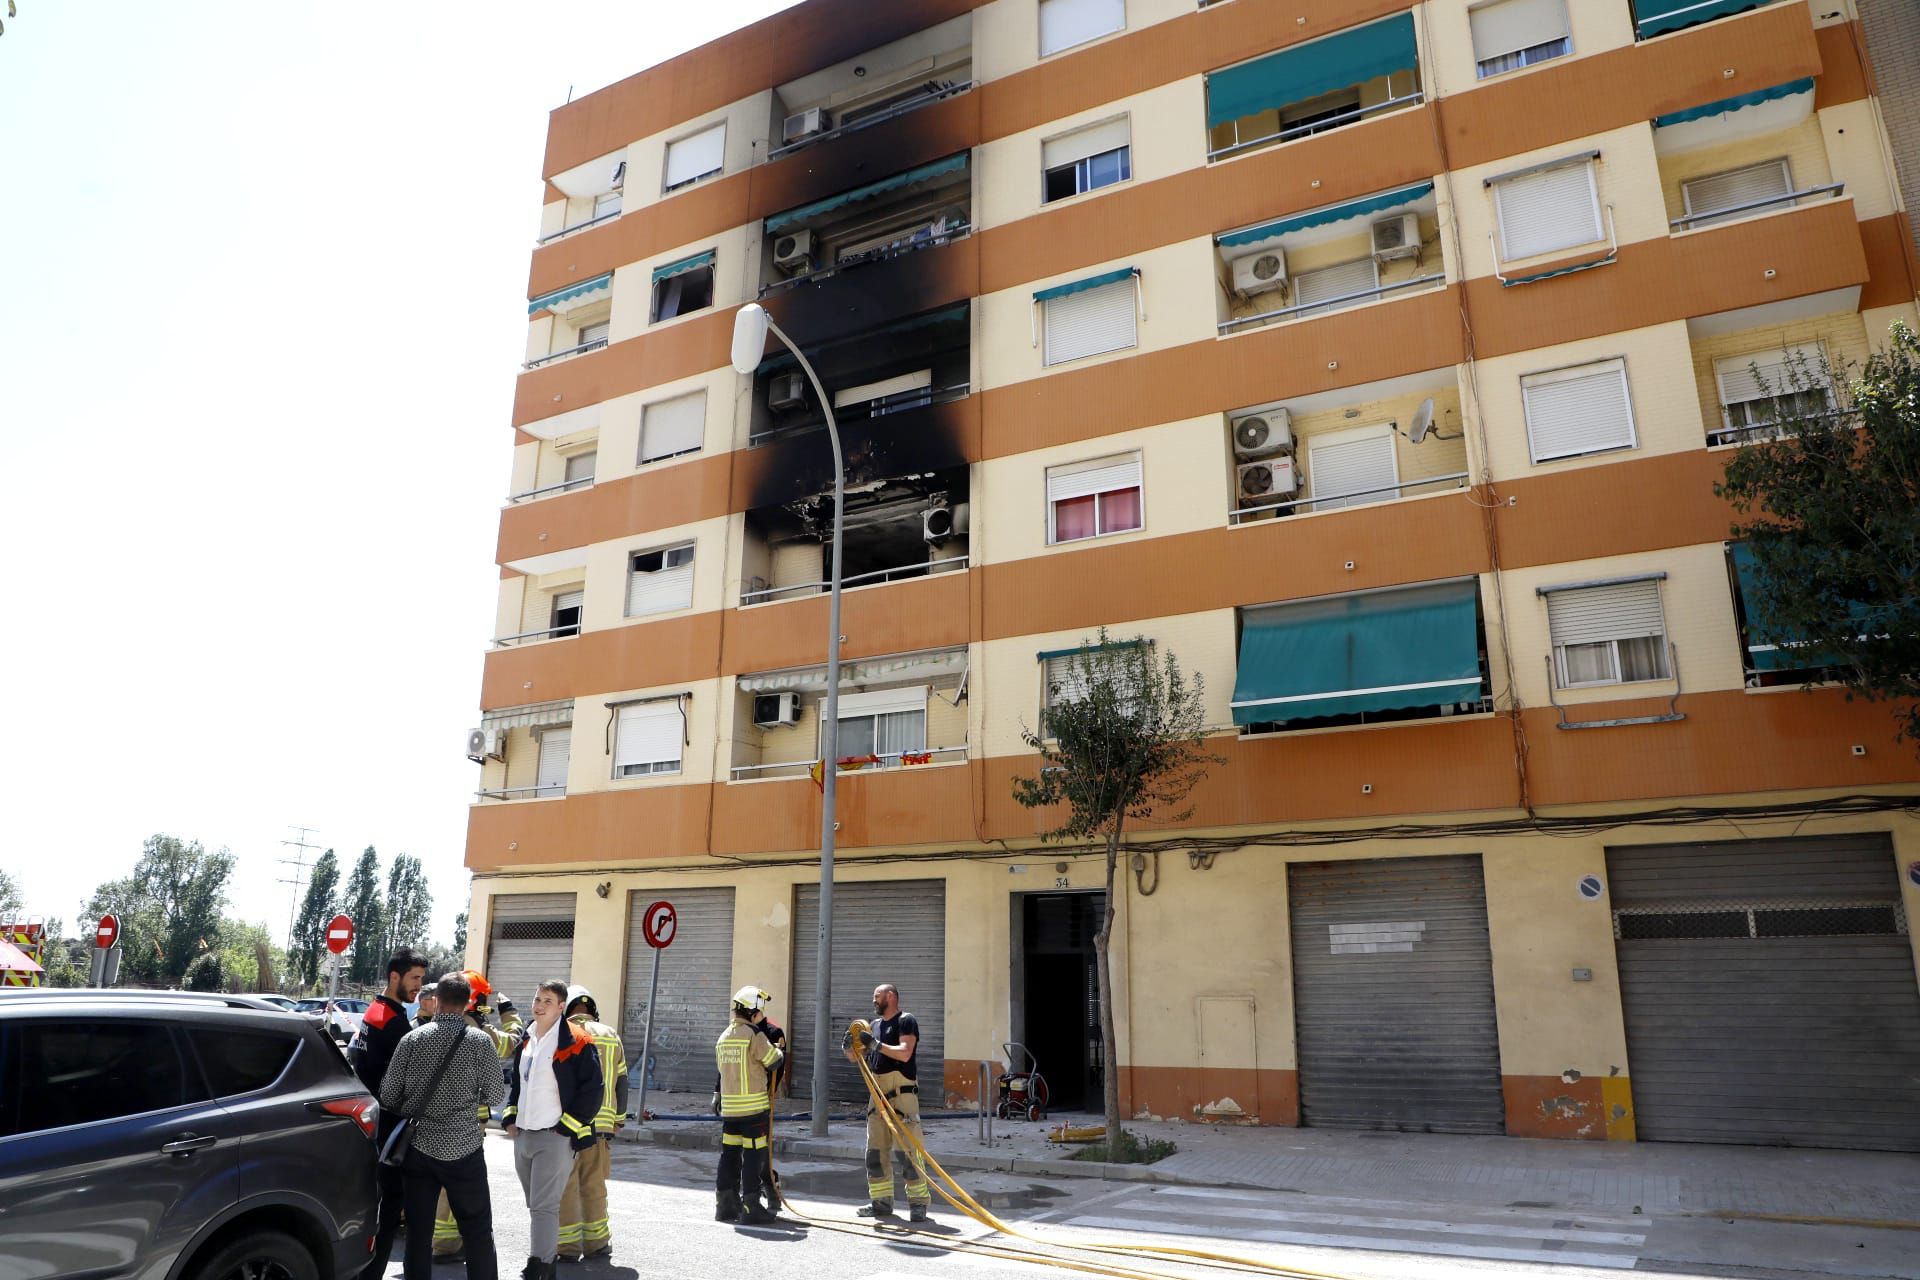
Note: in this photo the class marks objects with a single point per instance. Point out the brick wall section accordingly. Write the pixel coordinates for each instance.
(1893, 44)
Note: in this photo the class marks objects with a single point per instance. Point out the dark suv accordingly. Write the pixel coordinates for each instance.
(168, 1136)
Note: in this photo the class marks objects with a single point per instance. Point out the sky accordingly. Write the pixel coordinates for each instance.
(262, 275)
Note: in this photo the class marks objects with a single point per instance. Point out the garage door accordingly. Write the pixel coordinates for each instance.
(1393, 996)
(1769, 993)
(530, 940)
(894, 932)
(696, 979)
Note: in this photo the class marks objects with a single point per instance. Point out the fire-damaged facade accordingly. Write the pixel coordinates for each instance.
(1358, 355)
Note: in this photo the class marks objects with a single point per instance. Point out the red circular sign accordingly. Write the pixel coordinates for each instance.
(339, 935)
(109, 931)
(659, 923)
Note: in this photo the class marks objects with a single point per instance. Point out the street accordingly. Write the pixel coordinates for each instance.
(661, 1206)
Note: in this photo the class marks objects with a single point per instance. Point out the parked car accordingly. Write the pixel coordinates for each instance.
(277, 1001)
(344, 1023)
(178, 1136)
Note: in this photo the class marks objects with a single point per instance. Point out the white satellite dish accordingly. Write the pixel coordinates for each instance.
(1422, 421)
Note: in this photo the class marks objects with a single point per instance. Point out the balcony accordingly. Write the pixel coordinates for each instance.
(1748, 156)
(1658, 17)
(593, 196)
(523, 752)
(920, 208)
(1757, 366)
(895, 530)
(899, 712)
(569, 322)
(1311, 88)
(880, 85)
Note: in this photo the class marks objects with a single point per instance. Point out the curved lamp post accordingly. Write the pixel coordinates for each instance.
(751, 325)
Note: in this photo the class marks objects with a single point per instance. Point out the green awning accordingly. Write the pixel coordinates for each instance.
(1771, 646)
(1327, 216)
(683, 266)
(571, 292)
(1374, 651)
(1047, 655)
(1091, 282)
(899, 181)
(1305, 71)
(1656, 16)
(1552, 272)
(1727, 106)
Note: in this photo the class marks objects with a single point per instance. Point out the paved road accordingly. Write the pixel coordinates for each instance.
(661, 1205)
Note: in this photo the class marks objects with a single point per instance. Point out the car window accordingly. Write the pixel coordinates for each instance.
(241, 1061)
(77, 1072)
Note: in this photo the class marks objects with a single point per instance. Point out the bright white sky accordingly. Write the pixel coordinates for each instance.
(262, 275)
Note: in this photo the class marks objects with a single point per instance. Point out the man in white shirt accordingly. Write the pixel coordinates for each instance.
(552, 1099)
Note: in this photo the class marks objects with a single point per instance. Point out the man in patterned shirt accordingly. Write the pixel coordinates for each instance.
(447, 1129)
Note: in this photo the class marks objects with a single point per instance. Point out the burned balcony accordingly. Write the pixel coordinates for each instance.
(902, 711)
(1310, 88)
(920, 208)
(882, 84)
(910, 527)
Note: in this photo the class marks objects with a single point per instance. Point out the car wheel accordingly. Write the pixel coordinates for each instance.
(262, 1255)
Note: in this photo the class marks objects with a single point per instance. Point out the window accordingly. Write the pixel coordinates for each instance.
(556, 751)
(1066, 23)
(660, 581)
(239, 1062)
(1086, 159)
(1510, 34)
(1347, 468)
(1575, 411)
(1303, 120)
(683, 287)
(1728, 195)
(1063, 674)
(647, 738)
(1612, 633)
(73, 1073)
(1088, 499)
(566, 613)
(592, 333)
(580, 468)
(606, 204)
(699, 156)
(1334, 286)
(1546, 210)
(673, 427)
(884, 723)
(1759, 389)
(1089, 318)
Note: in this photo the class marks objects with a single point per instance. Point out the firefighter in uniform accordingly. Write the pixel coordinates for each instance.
(447, 1244)
(890, 1044)
(746, 1059)
(584, 1229)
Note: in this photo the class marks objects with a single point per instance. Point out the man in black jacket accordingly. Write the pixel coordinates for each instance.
(553, 1096)
(381, 1029)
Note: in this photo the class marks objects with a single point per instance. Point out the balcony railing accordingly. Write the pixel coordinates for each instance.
(1755, 432)
(897, 250)
(898, 109)
(564, 232)
(1452, 480)
(565, 486)
(850, 764)
(1789, 198)
(1309, 127)
(1304, 309)
(520, 793)
(878, 407)
(764, 595)
(582, 349)
(555, 633)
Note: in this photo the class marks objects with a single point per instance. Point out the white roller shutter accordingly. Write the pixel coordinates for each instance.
(1066, 23)
(664, 589)
(529, 940)
(1082, 143)
(556, 748)
(673, 426)
(1616, 611)
(1349, 464)
(1080, 479)
(1575, 411)
(1062, 680)
(1508, 26)
(580, 468)
(648, 734)
(1732, 190)
(696, 980)
(1762, 375)
(696, 156)
(1330, 283)
(882, 702)
(1090, 322)
(1546, 211)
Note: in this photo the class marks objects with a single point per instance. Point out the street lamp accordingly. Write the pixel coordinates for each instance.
(751, 325)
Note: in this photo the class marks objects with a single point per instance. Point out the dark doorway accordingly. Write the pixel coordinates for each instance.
(1060, 990)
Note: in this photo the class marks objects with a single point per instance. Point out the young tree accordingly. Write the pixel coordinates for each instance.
(1123, 737)
(369, 958)
(321, 903)
(1833, 526)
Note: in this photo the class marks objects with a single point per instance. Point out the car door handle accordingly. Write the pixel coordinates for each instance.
(188, 1145)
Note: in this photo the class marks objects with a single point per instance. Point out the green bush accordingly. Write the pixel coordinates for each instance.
(1131, 1149)
(206, 973)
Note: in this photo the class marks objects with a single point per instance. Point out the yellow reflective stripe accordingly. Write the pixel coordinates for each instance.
(573, 1126)
(506, 1117)
(745, 1104)
(773, 1056)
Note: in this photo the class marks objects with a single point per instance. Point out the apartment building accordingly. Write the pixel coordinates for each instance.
(1377, 360)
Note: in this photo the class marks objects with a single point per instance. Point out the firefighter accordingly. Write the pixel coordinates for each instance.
(747, 1060)
(891, 1047)
(447, 1244)
(584, 1229)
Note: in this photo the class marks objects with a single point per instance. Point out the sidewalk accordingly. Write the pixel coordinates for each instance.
(1668, 1179)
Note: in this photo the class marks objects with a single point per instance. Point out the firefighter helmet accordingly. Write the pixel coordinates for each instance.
(577, 993)
(751, 998)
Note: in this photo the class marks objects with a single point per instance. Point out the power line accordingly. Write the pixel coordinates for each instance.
(299, 877)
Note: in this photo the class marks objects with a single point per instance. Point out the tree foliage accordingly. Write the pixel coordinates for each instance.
(306, 949)
(460, 934)
(1832, 519)
(206, 973)
(1122, 739)
(407, 914)
(363, 903)
(12, 900)
(170, 908)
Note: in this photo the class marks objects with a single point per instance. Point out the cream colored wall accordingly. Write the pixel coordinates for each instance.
(1431, 457)
(510, 605)
(1660, 385)
(1164, 136)
(735, 280)
(747, 123)
(621, 423)
(1697, 602)
(1803, 147)
(1627, 176)
(606, 602)
(1877, 320)
(1006, 33)
(550, 458)
(590, 765)
(1450, 66)
(537, 593)
(1856, 152)
(553, 217)
(1841, 336)
(540, 331)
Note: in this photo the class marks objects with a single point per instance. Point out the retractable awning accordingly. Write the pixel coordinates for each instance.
(1371, 651)
(905, 668)
(531, 715)
(1654, 17)
(1772, 646)
(1363, 207)
(1338, 61)
(683, 266)
(1091, 282)
(1727, 106)
(886, 186)
(560, 299)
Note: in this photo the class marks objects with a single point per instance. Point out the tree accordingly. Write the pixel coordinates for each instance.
(170, 907)
(1833, 526)
(407, 914)
(1124, 737)
(206, 973)
(321, 904)
(460, 934)
(368, 961)
(241, 946)
(12, 900)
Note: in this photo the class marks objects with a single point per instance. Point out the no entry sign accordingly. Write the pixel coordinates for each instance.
(339, 935)
(108, 933)
(658, 924)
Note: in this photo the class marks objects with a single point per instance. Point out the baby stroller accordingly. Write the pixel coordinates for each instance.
(1023, 1090)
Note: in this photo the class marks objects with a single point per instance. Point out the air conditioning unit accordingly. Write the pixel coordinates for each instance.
(806, 124)
(1273, 478)
(787, 390)
(1257, 435)
(1260, 272)
(1397, 237)
(942, 521)
(772, 710)
(486, 744)
(793, 253)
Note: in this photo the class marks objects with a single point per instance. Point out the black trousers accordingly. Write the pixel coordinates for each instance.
(393, 1185)
(465, 1182)
(744, 1163)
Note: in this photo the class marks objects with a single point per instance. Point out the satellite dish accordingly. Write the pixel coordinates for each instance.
(1422, 421)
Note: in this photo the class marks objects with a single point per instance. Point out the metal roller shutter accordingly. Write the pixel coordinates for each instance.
(696, 979)
(1769, 995)
(1393, 996)
(529, 939)
(888, 932)
(1090, 322)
